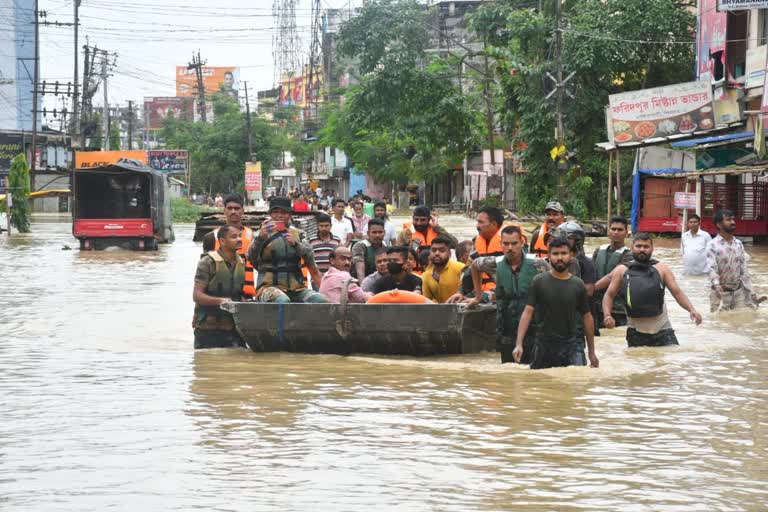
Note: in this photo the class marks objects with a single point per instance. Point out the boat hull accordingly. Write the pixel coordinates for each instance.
(388, 329)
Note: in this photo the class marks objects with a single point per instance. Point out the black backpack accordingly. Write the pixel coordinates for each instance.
(643, 290)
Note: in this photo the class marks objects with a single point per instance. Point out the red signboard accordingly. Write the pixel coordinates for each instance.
(253, 176)
(157, 109)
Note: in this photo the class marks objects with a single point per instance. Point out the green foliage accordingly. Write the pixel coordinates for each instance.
(219, 150)
(604, 44)
(184, 212)
(407, 117)
(18, 182)
(114, 136)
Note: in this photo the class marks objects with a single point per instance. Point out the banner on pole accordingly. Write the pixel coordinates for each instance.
(253, 178)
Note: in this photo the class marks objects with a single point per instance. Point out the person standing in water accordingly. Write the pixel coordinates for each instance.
(642, 283)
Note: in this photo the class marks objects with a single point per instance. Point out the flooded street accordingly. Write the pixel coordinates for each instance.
(106, 406)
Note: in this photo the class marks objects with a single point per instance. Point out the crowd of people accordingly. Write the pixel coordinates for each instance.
(551, 298)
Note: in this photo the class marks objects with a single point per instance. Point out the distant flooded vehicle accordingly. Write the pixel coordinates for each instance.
(125, 204)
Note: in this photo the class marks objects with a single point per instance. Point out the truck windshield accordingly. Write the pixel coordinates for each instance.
(112, 195)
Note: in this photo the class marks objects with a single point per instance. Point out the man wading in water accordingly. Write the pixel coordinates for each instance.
(641, 283)
(514, 273)
(560, 299)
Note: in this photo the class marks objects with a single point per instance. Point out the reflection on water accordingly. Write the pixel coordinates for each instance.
(106, 406)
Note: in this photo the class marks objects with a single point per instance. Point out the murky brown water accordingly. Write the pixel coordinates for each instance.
(105, 406)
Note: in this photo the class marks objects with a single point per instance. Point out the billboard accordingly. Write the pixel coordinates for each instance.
(11, 144)
(661, 112)
(17, 58)
(710, 41)
(295, 90)
(208, 112)
(91, 159)
(253, 179)
(169, 160)
(213, 79)
(157, 109)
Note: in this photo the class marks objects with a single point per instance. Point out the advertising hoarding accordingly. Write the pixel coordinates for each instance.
(756, 66)
(710, 44)
(157, 109)
(213, 79)
(91, 159)
(169, 160)
(661, 112)
(11, 144)
(253, 179)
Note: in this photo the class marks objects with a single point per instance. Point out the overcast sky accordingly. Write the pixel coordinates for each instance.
(152, 37)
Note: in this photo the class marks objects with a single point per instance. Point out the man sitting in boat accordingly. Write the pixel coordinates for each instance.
(338, 277)
(399, 278)
(442, 277)
(219, 278)
(364, 252)
(424, 229)
(381, 270)
(278, 253)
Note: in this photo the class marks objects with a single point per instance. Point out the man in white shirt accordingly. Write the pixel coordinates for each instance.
(380, 212)
(693, 246)
(341, 225)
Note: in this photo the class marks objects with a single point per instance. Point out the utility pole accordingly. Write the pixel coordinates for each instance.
(130, 124)
(105, 115)
(35, 81)
(76, 137)
(559, 134)
(197, 65)
(248, 122)
(489, 116)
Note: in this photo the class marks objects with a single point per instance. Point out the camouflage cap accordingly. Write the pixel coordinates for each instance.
(554, 206)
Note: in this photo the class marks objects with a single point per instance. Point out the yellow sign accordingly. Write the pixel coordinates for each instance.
(557, 152)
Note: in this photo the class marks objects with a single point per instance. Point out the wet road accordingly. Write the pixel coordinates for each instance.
(105, 406)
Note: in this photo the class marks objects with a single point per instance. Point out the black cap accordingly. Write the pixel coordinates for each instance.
(280, 202)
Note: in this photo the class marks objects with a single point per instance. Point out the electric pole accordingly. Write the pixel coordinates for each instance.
(130, 124)
(35, 107)
(105, 116)
(248, 122)
(197, 65)
(559, 134)
(76, 138)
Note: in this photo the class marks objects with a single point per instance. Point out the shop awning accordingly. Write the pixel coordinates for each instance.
(716, 140)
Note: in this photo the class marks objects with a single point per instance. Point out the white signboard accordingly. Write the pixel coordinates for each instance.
(741, 5)
(756, 66)
(661, 112)
(685, 200)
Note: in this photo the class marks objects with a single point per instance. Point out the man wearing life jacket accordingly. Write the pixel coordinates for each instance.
(233, 212)
(560, 300)
(642, 284)
(278, 253)
(423, 229)
(490, 222)
(606, 258)
(364, 252)
(219, 279)
(555, 215)
(514, 271)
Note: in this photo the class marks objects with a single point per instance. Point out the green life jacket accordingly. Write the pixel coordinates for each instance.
(370, 260)
(512, 294)
(279, 264)
(226, 282)
(604, 264)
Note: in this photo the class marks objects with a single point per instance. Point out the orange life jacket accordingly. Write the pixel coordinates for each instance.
(540, 248)
(249, 289)
(418, 236)
(493, 248)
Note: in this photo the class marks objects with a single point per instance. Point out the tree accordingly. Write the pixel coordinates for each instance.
(114, 136)
(407, 117)
(219, 150)
(613, 46)
(18, 183)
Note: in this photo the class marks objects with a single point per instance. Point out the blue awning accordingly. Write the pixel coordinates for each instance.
(690, 143)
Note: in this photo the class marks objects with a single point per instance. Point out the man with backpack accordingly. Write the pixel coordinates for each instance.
(642, 284)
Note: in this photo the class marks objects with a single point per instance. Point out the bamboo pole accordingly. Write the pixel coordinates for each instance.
(610, 185)
(618, 183)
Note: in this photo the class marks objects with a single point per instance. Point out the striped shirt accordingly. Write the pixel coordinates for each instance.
(322, 249)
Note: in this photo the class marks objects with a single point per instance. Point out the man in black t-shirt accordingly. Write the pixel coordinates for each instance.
(398, 278)
(559, 299)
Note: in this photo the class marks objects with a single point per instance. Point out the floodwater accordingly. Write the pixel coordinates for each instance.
(104, 405)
